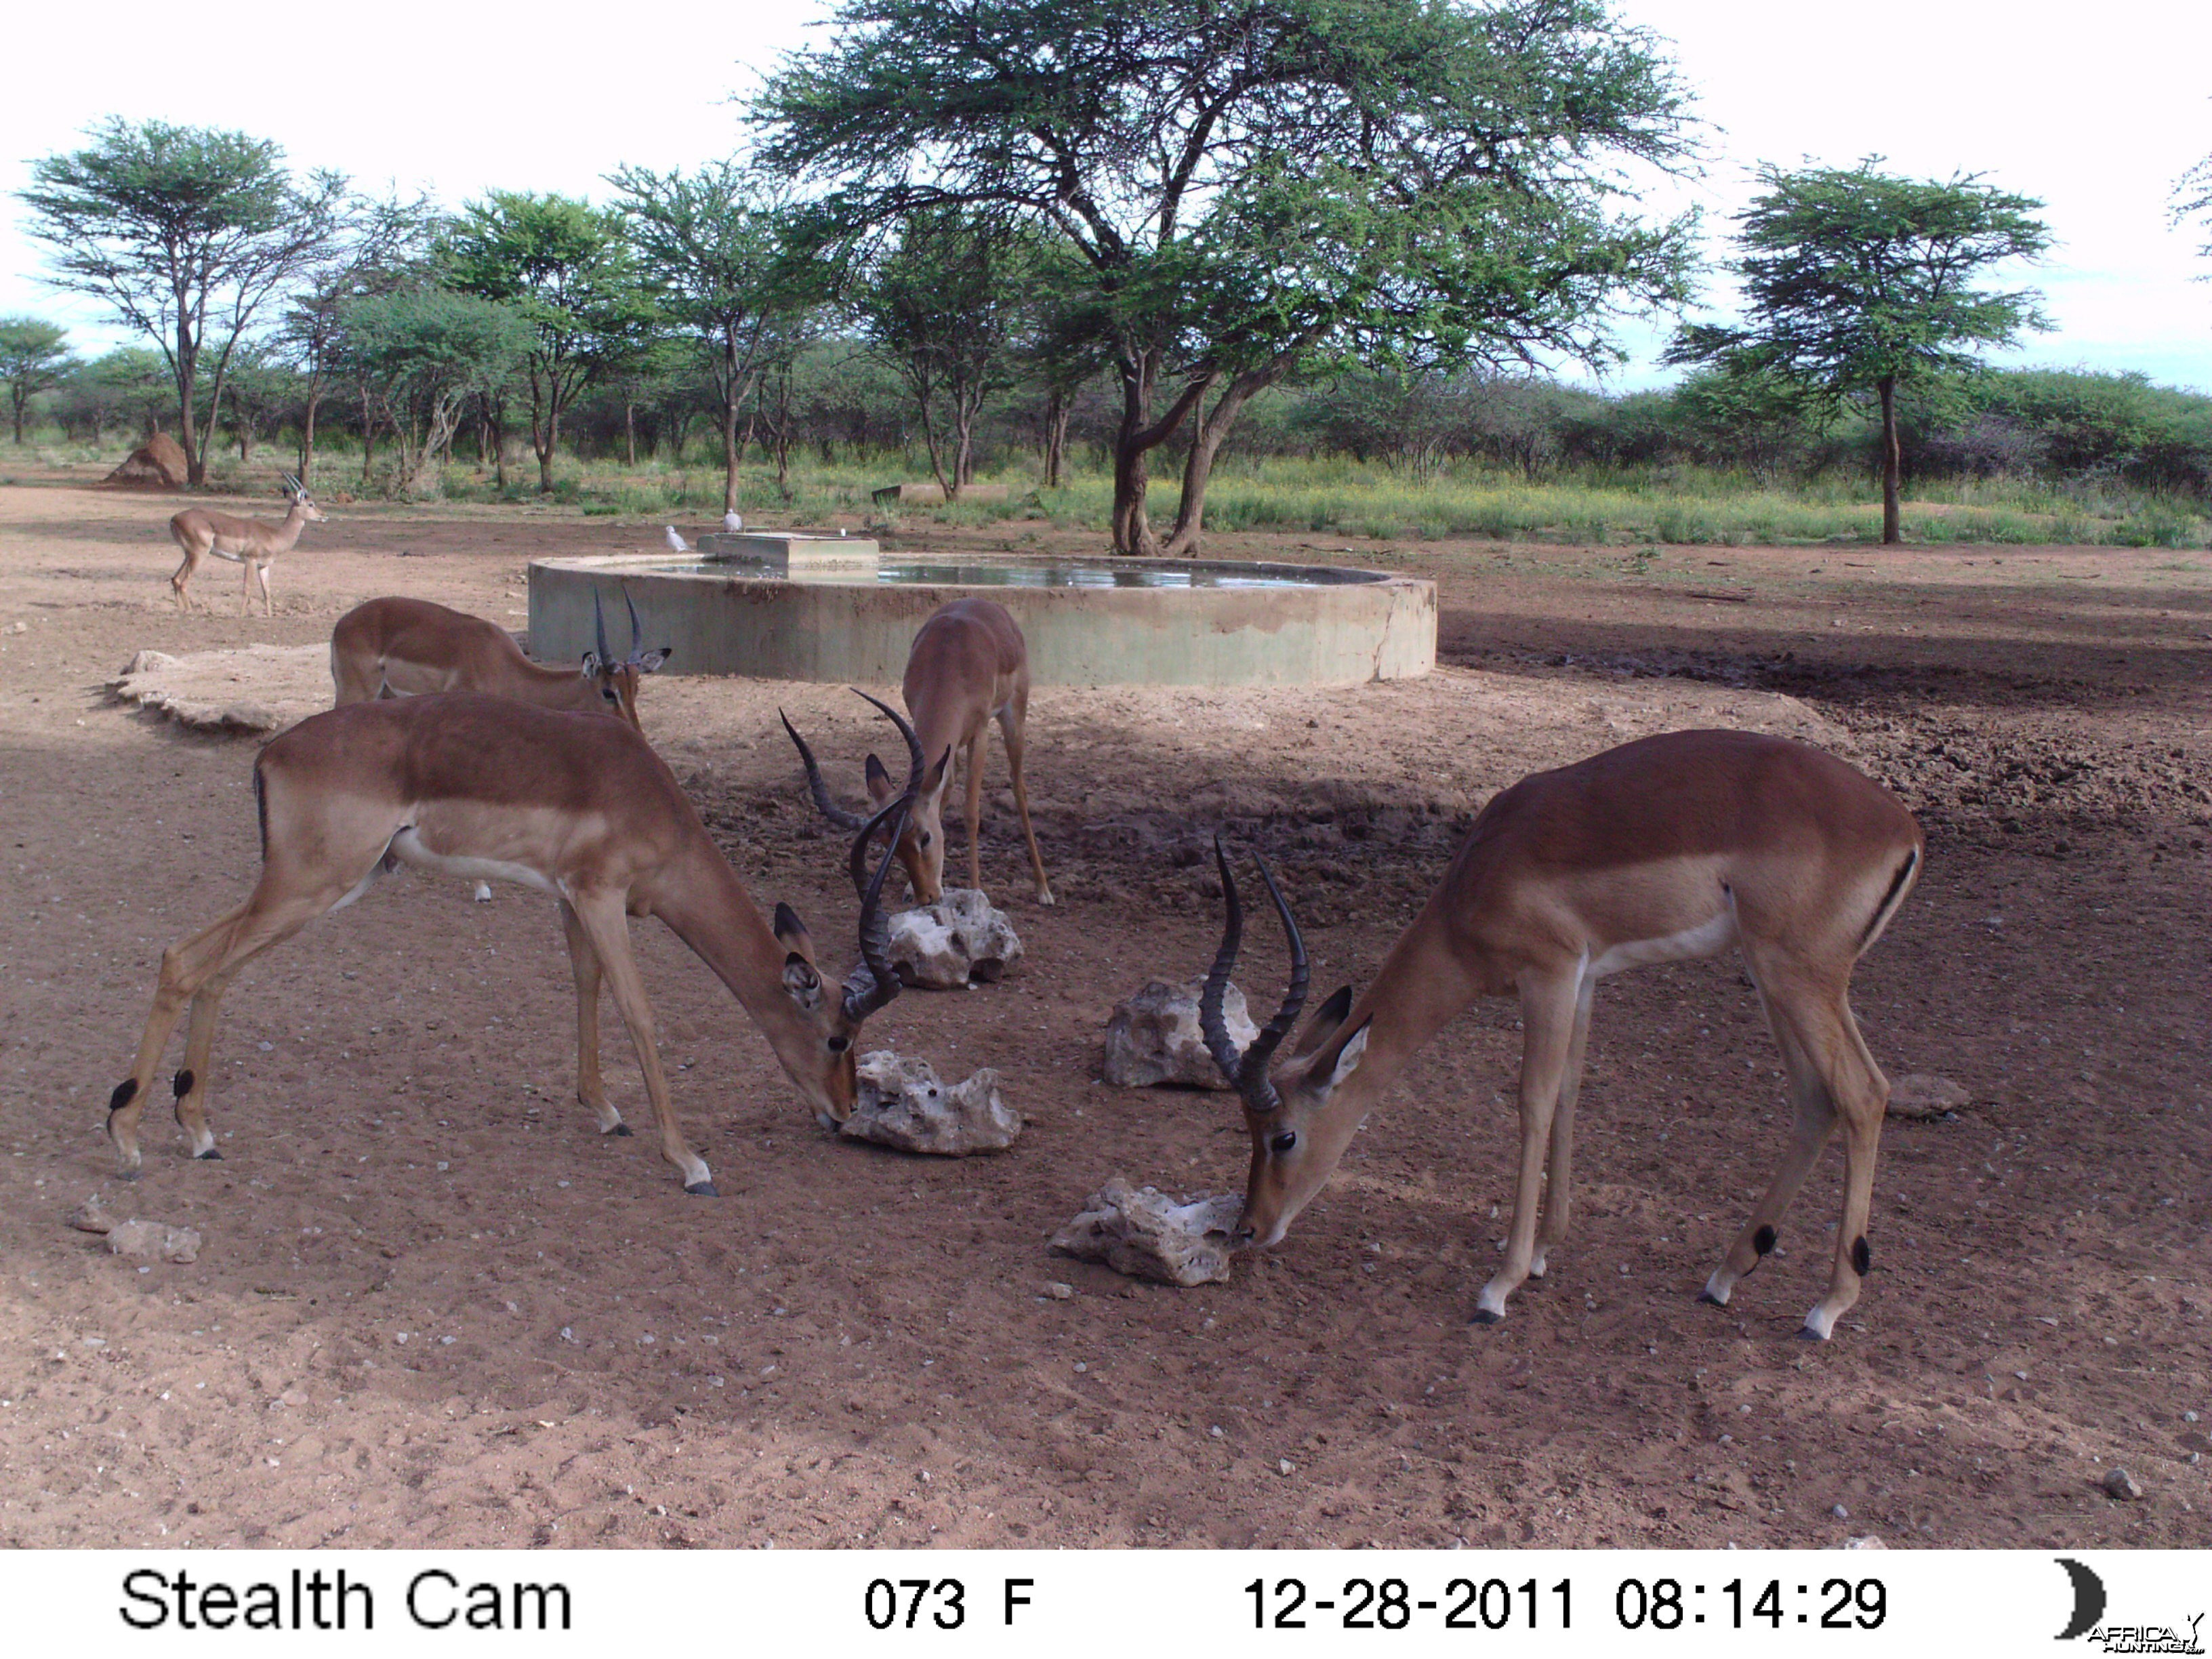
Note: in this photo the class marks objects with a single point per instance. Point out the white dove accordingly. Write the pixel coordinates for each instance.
(675, 543)
(734, 523)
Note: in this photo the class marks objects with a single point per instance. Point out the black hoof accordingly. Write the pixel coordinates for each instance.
(126, 1175)
(619, 1129)
(211, 1155)
(1707, 1296)
(1807, 1334)
(702, 1189)
(1483, 1316)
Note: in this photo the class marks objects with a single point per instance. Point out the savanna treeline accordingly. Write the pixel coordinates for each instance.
(1185, 237)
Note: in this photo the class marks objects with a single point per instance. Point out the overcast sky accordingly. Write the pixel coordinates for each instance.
(2097, 116)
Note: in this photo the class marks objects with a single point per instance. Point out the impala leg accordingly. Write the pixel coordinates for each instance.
(179, 582)
(1011, 719)
(261, 575)
(1558, 1180)
(1861, 1096)
(609, 929)
(584, 961)
(973, 763)
(246, 593)
(210, 957)
(190, 1084)
(1548, 1019)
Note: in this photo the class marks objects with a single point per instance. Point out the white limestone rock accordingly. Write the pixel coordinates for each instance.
(1924, 1094)
(1140, 1233)
(1153, 1038)
(903, 1103)
(153, 1242)
(957, 942)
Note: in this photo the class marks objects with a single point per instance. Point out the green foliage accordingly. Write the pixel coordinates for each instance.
(427, 351)
(1253, 186)
(34, 355)
(186, 233)
(1853, 278)
(567, 268)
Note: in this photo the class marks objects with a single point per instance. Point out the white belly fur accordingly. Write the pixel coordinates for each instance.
(1706, 939)
(407, 847)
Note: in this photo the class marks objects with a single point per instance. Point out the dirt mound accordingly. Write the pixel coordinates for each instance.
(157, 464)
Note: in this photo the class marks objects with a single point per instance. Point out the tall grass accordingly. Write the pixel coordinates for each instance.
(1334, 496)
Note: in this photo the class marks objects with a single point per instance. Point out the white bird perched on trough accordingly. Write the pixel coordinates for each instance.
(675, 543)
(734, 523)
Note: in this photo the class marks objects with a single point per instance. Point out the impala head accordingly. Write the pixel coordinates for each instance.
(615, 680)
(1297, 1140)
(301, 502)
(815, 1045)
(919, 841)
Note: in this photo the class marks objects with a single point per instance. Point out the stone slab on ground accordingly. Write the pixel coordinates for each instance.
(1924, 1094)
(1153, 1038)
(1142, 1233)
(959, 941)
(257, 689)
(154, 1241)
(903, 1103)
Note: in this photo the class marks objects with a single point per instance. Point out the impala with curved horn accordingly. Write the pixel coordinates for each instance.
(1671, 847)
(253, 543)
(575, 805)
(405, 647)
(969, 665)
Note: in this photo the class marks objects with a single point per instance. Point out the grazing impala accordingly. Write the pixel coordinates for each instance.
(405, 647)
(577, 805)
(1673, 846)
(253, 543)
(969, 665)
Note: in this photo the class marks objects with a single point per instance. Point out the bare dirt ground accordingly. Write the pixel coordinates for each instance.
(434, 1308)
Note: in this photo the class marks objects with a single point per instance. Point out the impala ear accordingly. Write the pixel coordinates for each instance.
(791, 933)
(1348, 1057)
(1323, 1026)
(880, 787)
(651, 661)
(591, 668)
(803, 982)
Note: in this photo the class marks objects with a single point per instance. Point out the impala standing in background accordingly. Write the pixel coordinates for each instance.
(405, 647)
(576, 805)
(1671, 847)
(253, 543)
(969, 665)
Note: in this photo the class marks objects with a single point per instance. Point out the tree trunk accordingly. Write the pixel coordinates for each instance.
(732, 450)
(1055, 436)
(949, 487)
(307, 434)
(1133, 533)
(1892, 460)
(187, 366)
(16, 391)
(1212, 430)
(629, 432)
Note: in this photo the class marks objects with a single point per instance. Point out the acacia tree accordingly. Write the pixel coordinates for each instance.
(1253, 184)
(2192, 199)
(377, 245)
(1858, 283)
(34, 355)
(425, 352)
(944, 305)
(566, 266)
(186, 233)
(717, 253)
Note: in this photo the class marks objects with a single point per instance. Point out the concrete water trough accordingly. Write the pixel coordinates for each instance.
(833, 610)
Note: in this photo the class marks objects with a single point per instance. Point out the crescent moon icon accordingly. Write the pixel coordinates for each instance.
(2088, 1599)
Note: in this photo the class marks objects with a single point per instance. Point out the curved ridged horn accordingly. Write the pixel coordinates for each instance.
(1248, 1071)
(636, 633)
(913, 743)
(294, 484)
(863, 995)
(1211, 1025)
(599, 626)
(829, 809)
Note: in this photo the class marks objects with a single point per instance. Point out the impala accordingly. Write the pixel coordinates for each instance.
(405, 647)
(253, 543)
(1671, 847)
(577, 805)
(968, 666)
